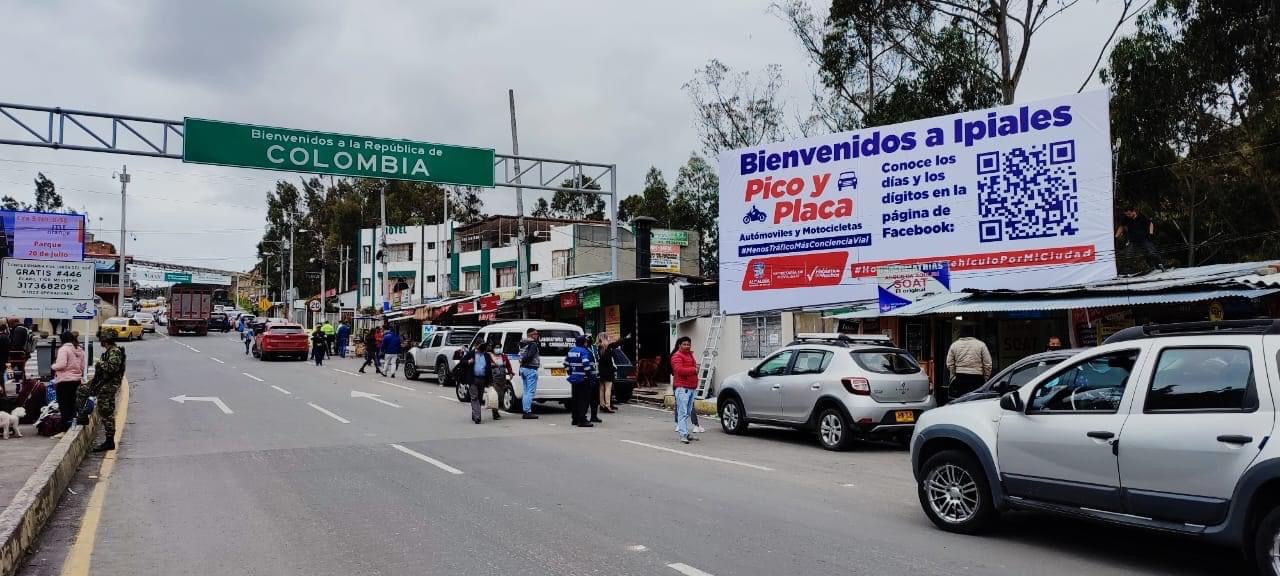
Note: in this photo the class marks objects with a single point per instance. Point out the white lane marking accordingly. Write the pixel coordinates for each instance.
(216, 360)
(687, 570)
(650, 408)
(397, 385)
(329, 414)
(188, 347)
(427, 459)
(345, 372)
(637, 548)
(701, 456)
(252, 377)
(374, 397)
(443, 397)
(282, 390)
(183, 399)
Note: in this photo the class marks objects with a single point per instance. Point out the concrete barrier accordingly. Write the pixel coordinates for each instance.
(24, 518)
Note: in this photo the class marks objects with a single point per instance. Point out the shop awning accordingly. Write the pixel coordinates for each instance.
(683, 320)
(981, 304)
(402, 274)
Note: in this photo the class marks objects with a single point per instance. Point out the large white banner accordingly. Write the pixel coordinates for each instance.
(1011, 197)
(46, 279)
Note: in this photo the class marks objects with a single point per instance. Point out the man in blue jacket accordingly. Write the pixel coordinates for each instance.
(391, 352)
(581, 369)
(344, 338)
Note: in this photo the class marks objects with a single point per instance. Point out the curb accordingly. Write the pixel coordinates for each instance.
(24, 518)
(702, 407)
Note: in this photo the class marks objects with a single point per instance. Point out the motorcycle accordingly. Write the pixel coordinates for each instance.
(755, 215)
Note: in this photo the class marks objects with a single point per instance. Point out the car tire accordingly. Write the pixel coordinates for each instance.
(410, 368)
(508, 402)
(462, 392)
(834, 429)
(955, 493)
(733, 419)
(442, 373)
(1266, 543)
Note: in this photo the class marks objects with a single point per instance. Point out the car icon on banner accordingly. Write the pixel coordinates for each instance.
(848, 179)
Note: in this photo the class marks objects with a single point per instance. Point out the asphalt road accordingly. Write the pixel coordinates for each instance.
(302, 477)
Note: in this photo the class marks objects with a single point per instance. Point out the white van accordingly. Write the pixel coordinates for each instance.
(556, 339)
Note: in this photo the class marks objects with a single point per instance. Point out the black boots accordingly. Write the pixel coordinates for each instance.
(108, 444)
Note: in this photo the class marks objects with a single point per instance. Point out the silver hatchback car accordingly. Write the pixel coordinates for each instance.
(841, 386)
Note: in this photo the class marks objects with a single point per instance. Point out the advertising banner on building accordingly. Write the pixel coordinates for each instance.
(1012, 197)
(41, 236)
(664, 258)
(902, 284)
(47, 279)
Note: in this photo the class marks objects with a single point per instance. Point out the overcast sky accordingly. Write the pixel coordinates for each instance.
(595, 80)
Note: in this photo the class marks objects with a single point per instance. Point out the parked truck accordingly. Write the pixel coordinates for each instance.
(190, 306)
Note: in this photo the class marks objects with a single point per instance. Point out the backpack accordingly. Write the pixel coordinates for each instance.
(49, 424)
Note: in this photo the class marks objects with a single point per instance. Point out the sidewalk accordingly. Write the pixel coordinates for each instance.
(665, 398)
(21, 457)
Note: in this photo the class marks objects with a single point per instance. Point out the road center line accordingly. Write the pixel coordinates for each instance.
(188, 347)
(252, 377)
(687, 570)
(397, 385)
(345, 372)
(443, 397)
(701, 456)
(427, 459)
(329, 414)
(282, 390)
(216, 360)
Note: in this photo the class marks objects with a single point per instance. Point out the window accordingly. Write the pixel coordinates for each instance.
(431, 279)
(431, 245)
(1095, 385)
(561, 264)
(366, 254)
(494, 340)
(399, 252)
(471, 280)
(886, 361)
(286, 330)
(365, 287)
(533, 267)
(761, 335)
(775, 366)
(436, 341)
(1029, 372)
(555, 342)
(811, 362)
(1203, 379)
(506, 277)
(460, 337)
(511, 344)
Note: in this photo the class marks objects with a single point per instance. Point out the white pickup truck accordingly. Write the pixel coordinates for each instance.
(438, 353)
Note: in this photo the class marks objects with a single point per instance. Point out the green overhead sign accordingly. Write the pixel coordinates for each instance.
(249, 146)
(177, 277)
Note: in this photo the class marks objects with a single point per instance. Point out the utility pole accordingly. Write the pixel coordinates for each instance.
(124, 184)
(288, 306)
(440, 247)
(522, 264)
(382, 245)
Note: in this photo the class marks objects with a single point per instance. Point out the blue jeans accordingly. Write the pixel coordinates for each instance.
(684, 406)
(530, 377)
(342, 348)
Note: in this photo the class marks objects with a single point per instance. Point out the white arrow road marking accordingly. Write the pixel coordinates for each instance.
(374, 397)
(282, 390)
(216, 360)
(695, 455)
(345, 372)
(252, 377)
(427, 459)
(183, 399)
(329, 414)
(188, 347)
(687, 570)
(397, 385)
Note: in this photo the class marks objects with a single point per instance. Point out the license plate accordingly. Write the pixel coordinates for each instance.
(904, 416)
(557, 372)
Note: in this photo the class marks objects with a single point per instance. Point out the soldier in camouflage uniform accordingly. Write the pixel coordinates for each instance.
(108, 373)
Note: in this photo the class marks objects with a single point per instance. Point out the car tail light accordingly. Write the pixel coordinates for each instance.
(857, 385)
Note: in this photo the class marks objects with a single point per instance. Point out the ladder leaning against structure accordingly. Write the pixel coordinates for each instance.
(707, 364)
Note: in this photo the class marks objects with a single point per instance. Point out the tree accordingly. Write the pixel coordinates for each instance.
(630, 207)
(542, 209)
(578, 205)
(733, 111)
(46, 196)
(655, 199)
(697, 207)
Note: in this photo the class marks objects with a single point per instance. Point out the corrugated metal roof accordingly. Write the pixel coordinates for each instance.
(980, 304)
(1268, 280)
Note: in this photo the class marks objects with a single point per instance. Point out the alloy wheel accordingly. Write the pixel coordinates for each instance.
(730, 415)
(953, 496)
(831, 429)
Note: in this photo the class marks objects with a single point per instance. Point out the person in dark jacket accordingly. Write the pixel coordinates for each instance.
(390, 353)
(371, 340)
(318, 345)
(4, 356)
(18, 336)
(476, 371)
(344, 338)
(530, 362)
(606, 349)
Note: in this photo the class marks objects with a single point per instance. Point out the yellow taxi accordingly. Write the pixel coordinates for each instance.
(124, 328)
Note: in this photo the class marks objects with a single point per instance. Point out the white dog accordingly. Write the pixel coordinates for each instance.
(9, 421)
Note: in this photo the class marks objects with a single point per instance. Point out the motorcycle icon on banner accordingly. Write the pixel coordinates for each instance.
(755, 215)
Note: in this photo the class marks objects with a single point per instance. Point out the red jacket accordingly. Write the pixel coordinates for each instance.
(684, 370)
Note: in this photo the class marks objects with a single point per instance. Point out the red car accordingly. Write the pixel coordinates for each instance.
(282, 339)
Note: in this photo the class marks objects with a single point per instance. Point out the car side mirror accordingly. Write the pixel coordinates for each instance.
(753, 373)
(1011, 402)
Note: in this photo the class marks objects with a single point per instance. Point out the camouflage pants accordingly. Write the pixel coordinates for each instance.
(105, 404)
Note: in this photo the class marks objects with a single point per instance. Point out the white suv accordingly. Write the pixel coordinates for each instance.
(1162, 427)
(838, 385)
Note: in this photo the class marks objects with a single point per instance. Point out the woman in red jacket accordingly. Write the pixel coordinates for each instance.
(684, 380)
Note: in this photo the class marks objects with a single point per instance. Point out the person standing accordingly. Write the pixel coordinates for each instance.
(684, 380)
(371, 340)
(247, 336)
(390, 353)
(4, 357)
(499, 380)
(530, 362)
(476, 370)
(318, 345)
(581, 370)
(344, 338)
(18, 337)
(1139, 230)
(1055, 343)
(605, 350)
(969, 363)
(330, 336)
(107, 376)
(68, 371)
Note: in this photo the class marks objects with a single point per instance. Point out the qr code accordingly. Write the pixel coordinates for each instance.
(1028, 193)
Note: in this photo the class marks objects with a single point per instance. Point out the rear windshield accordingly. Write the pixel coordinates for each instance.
(886, 361)
(286, 330)
(459, 338)
(144, 316)
(116, 321)
(555, 342)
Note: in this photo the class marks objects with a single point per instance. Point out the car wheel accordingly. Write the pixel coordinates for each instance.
(833, 429)
(733, 419)
(410, 368)
(442, 373)
(954, 493)
(1266, 544)
(462, 393)
(508, 402)
(623, 393)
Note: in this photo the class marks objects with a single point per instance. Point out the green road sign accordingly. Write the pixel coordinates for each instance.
(249, 146)
(177, 277)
